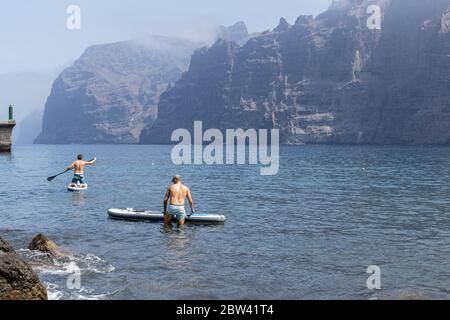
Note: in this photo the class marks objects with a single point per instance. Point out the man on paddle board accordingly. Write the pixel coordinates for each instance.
(78, 165)
(177, 193)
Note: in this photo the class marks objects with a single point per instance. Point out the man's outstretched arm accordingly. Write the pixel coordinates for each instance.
(91, 162)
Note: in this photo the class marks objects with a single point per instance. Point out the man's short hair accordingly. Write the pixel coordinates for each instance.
(176, 178)
(80, 157)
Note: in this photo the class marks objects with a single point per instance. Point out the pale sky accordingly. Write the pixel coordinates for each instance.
(34, 36)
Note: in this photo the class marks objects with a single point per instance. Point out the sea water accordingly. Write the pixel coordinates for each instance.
(309, 232)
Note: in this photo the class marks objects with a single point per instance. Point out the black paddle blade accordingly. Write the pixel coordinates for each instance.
(49, 179)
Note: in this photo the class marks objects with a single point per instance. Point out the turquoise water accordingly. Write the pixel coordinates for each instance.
(309, 232)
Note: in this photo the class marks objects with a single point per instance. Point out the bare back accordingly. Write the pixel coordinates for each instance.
(178, 193)
(79, 166)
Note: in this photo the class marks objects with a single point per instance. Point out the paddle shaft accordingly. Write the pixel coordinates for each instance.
(53, 177)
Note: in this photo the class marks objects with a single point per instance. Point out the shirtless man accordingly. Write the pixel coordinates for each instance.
(177, 193)
(79, 169)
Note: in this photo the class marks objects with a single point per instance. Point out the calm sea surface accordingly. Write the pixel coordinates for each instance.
(309, 232)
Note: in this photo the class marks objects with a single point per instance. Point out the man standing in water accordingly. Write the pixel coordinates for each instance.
(78, 165)
(177, 194)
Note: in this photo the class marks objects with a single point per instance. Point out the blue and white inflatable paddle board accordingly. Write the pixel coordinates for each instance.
(77, 187)
(132, 214)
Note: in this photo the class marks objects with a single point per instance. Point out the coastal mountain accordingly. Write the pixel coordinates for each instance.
(334, 78)
(112, 91)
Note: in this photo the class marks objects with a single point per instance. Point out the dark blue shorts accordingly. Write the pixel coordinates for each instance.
(78, 178)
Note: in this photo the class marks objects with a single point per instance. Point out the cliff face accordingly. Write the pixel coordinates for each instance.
(328, 79)
(112, 91)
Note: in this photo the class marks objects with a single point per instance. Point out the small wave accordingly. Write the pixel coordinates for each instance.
(88, 294)
(69, 264)
(55, 292)
(93, 263)
(57, 269)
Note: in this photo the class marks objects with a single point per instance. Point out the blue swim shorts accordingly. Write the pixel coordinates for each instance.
(78, 178)
(177, 212)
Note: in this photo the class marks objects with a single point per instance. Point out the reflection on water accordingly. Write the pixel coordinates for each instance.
(309, 232)
(178, 242)
(79, 198)
(178, 237)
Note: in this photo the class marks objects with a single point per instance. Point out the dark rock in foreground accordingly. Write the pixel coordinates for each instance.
(17, 280)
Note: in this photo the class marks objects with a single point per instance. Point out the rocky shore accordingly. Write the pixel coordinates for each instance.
(17, 280)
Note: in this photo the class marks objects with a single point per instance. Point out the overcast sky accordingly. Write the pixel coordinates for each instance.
(34, 36)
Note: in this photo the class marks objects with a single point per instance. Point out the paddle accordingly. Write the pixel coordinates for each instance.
(49, 179)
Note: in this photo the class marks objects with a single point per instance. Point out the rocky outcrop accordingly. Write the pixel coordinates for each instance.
(44, 244)
(238, 33)
(112, 91)
(282, 26)
(325, 79)
(5, 247)
(17, 280)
